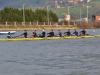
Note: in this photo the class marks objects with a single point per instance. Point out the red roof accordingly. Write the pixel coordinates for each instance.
(96, 15)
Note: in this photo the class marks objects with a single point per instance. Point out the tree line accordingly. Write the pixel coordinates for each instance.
(10, 14)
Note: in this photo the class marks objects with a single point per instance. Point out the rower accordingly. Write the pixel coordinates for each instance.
(51, 34)
(68, 33)
(34, 34)
(25, 34)
(43, 33)
(59, 33)
(83, 32)
(9, 35)
(75, 32)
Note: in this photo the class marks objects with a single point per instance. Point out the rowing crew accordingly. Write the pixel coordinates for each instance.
(50, 34)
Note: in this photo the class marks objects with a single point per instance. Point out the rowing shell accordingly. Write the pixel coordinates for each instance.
(97, 36)
(45, 38)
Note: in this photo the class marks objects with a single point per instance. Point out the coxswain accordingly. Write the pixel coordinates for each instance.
(9, 35)
(51, 34)
(68, 33)
(75, 32)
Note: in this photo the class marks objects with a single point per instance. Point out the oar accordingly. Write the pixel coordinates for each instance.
(89, 35)
(17, 35)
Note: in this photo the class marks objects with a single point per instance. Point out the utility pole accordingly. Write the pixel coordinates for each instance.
(23, 14)
(87, 12)
(68, 16)
(47, 12)
(80, 14)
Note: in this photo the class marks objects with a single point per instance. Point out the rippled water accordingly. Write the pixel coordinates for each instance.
(51, 57)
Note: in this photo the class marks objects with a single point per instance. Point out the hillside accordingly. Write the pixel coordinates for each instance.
(74, 9)
(19, 3)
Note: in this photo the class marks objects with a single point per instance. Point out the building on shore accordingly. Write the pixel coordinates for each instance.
(66, 17)
(60, 19)
(96, 18)
(76, 1)
(57, 5)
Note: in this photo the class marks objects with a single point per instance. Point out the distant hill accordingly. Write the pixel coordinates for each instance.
(74, 9)
(19, 3)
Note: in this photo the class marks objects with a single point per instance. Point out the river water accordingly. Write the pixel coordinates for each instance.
(51, 57)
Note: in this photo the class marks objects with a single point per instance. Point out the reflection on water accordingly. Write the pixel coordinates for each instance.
(50, 57)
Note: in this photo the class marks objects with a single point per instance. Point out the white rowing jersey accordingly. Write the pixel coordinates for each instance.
(9, 36)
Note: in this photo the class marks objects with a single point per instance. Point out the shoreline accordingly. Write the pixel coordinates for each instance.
(2, 28)
(35, 29)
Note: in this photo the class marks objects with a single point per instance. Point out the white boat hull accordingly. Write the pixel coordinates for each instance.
(5, 33)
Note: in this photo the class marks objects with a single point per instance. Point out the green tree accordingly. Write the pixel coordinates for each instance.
(16, 15)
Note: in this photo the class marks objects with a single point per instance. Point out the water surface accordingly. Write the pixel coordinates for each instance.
(51, 57)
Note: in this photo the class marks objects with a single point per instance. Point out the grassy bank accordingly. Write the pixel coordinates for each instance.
(36, 27)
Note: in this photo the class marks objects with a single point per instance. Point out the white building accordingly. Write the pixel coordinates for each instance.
(66, 17)
(81, 0)
(87, 0)
(75, 1)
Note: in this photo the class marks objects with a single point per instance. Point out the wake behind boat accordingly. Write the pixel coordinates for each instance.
(6, 32)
